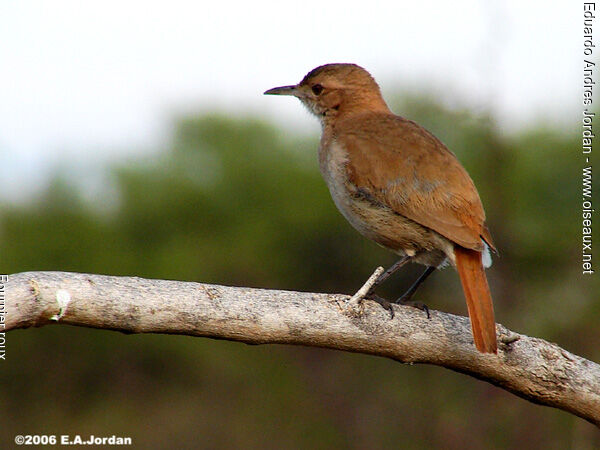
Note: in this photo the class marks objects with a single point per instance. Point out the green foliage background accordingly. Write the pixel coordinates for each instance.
(241, 202)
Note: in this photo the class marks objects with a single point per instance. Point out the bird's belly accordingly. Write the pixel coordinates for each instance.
(393, 231)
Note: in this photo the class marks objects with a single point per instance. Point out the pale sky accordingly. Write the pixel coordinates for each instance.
(87, 81)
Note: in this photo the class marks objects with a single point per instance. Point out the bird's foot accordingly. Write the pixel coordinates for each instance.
(406, 300)
(384, 303)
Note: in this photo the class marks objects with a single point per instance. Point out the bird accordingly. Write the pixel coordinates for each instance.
(399, 186)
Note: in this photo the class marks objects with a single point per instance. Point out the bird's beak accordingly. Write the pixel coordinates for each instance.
(283, 90)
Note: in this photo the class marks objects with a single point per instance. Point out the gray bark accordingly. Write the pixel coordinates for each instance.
(529, 367)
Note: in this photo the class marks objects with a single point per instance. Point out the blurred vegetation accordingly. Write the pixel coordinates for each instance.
(240, 202)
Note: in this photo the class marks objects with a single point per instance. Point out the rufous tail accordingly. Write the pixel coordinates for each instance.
(479, 300)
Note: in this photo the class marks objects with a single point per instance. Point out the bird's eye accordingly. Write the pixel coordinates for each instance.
(317, 89)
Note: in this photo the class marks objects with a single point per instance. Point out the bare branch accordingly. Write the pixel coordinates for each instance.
(529, 367)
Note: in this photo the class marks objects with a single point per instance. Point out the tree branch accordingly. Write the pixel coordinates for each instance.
(529, 367)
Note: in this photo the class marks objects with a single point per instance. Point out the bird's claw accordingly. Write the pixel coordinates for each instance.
(384, 303)
(418, 305)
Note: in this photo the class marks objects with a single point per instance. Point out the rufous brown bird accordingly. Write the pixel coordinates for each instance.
(399, 186)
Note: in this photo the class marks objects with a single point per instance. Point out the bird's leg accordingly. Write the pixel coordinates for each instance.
(411, 291)
(406, 297)
(378, 277)
(385, 275)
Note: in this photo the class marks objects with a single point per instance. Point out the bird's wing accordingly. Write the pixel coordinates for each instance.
(406, 168)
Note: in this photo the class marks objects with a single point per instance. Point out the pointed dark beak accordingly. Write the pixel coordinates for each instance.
(283, 90)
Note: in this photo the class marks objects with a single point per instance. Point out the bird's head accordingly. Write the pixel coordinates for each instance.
(334, 89)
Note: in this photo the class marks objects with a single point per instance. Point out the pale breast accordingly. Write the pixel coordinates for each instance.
(371, 220)
(333, 160)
